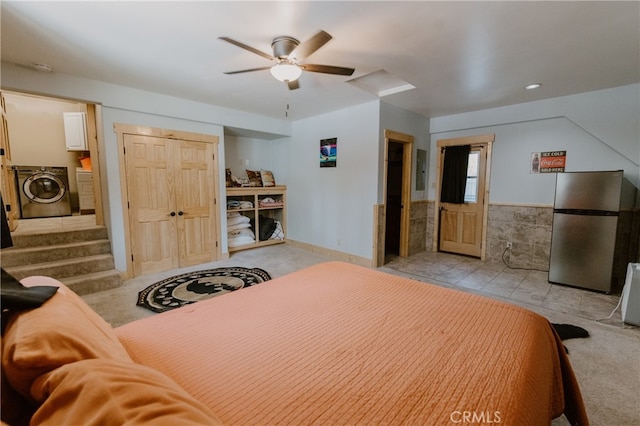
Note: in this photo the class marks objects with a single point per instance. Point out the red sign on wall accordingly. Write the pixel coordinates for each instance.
(548, 162)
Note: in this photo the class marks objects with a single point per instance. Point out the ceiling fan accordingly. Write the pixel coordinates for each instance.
(288, 54)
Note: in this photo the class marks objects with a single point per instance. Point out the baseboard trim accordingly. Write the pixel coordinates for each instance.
(339, 255)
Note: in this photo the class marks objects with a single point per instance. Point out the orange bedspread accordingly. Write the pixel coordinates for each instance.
(342, 344)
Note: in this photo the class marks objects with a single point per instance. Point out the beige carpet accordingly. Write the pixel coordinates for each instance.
(607, 365)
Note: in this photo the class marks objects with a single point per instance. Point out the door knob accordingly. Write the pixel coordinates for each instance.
(172, 214)
(180, 213)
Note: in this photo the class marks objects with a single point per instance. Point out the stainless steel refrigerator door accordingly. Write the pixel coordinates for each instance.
(589, 190)
(582, 251)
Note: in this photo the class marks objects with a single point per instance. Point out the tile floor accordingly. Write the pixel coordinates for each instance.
(529, 288)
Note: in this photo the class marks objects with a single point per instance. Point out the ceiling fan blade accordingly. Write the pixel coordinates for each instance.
(293, 85)
(245, 47)
(306, 48)
(247, 70)
(327, 69)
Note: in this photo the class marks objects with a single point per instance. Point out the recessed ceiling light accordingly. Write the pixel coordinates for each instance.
(532, 86)
(381, 83)
(42, 67)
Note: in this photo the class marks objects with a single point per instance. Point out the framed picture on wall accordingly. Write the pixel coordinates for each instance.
(328, 152)
(548, 162)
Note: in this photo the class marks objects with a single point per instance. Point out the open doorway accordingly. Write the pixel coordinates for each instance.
(397, 193)
(393, 200)
(53, 183)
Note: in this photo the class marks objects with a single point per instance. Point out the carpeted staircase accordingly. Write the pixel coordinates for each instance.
(81, 259)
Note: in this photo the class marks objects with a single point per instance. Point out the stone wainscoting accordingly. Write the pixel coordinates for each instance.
(528, 228)
(419, 226)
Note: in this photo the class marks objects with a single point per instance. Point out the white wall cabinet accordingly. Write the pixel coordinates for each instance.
(75, 131)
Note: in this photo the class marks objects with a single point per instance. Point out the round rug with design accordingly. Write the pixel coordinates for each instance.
(193, 287)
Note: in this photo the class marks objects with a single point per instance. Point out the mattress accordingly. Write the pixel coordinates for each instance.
(337, 343)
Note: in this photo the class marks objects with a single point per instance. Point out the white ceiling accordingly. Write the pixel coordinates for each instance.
(461, 56)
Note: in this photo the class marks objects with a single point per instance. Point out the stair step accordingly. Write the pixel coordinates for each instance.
(30, 255)
(95, 282)
(65, 268)
(59, 237)
(79, 257)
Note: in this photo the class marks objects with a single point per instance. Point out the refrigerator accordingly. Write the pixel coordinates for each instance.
(585, 228)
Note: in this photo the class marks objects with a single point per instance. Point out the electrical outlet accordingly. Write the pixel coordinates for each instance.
(509, 245)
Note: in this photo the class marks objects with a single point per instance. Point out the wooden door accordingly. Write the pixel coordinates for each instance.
(7, 176)
(195, 202)
(171, 202)
(152, 203)
(462, 227)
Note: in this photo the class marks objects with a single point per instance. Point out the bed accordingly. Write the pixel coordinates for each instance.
(334, 344)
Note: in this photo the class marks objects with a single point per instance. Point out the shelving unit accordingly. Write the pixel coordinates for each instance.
(256, 195)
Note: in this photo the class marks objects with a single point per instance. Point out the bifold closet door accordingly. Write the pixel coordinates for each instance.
(195, 202)
(171, 200)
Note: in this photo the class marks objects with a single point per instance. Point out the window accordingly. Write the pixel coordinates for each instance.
(471, 191)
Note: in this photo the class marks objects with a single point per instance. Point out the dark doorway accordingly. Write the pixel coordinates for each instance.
(395, 155)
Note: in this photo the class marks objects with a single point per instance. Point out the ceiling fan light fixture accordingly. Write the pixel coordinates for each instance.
(286, 72)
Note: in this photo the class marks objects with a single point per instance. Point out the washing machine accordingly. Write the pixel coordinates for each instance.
(44, 191)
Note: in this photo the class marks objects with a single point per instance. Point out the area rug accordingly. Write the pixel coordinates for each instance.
(193, 287)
